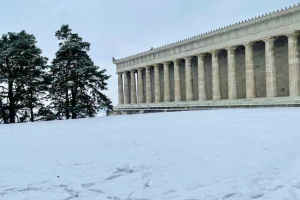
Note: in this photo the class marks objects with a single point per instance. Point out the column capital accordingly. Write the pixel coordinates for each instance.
(269, 39)
(148, 67)
(188, 58)
(231, 48)
(176, 60)
(201, 55)
(167, 62)
(119, 73)
(156, 65)
(133, 70)
(249, 44)
(293, 34)
(215, 51)
(125, 72)
(140, 68)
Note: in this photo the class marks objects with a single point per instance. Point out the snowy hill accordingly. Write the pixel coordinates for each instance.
(220, 154)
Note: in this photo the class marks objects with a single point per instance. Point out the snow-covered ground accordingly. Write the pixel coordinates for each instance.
(220, 154)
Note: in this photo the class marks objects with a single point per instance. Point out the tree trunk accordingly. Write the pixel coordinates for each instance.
(12, 111)
(5, 118)
(3, 113)
(31, 108)
(74, 102)
(67, 105)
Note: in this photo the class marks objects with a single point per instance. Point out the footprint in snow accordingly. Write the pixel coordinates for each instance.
(257, 196)
(228, 195)
(276, 188)
(94, 190)
(297, 186)
(113, 177)
(87, 185)
(126, 170)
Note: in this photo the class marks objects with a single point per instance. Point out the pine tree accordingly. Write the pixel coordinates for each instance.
(20, 66)
(78, 84)
(36, 89)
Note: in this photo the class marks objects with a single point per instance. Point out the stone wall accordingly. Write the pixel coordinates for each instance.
(208, 75)
(152, 84)
(161, 81)
(172, 88)
(282, 66)
(223, 65)
(129, 86)
(260, 69)
(144, 84)
(182, 79)
(240, 72)
(195, 78)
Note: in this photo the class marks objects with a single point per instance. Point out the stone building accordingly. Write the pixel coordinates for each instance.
(252, 63)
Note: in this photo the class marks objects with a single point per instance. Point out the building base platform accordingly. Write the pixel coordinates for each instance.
(126, 109)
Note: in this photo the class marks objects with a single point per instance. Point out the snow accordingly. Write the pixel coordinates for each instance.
(212, 154)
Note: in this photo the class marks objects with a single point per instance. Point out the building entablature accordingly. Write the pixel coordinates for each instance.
(278, 23)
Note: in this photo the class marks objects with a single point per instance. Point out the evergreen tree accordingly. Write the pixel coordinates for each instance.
(20, 69)
(36, 89)
(77, 82)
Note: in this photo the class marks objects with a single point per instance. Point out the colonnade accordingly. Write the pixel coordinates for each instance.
(140, 91)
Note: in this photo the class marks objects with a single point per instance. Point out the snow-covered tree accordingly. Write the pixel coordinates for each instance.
(21, 65)
(78, 84)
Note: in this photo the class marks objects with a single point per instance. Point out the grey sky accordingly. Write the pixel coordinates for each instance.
(121, 28)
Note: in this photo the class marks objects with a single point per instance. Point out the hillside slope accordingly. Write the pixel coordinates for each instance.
(219, 154)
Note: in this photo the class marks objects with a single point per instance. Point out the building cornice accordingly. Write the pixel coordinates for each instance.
(215, 32)
(203, 42)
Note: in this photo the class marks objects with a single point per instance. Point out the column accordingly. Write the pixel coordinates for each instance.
(250, 79)
(120, 89)
(293, 53)
(140, 86)
(133, 87)
(177, 80)
(126, 88)
(157, 84)
(148, 85)
(216, 75)
(188, 79)
(201, 78)
(270, 68)
(167, 94)
(232, 88)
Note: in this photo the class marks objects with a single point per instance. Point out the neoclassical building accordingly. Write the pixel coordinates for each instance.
(252, 63)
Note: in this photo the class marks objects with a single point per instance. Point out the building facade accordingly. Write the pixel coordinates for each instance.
(248, 64)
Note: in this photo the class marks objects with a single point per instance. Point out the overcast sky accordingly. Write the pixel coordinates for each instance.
(121, 28)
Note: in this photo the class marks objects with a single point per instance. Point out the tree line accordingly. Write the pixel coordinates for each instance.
(70, 87)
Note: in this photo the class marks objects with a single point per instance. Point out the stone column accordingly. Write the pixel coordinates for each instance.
(294, 64)
(177, 80)
(201, 78)
(133, 87)
(126, 88)
(188, 79)
(216, 75)
(232, 88)
(157, 84)
(250, 79)
(270, 68)
(148, 85)
(167, 94)
(140, 86)
(120, 88)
